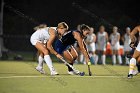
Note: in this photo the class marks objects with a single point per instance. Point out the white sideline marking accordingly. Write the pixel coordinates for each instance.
(58, 76)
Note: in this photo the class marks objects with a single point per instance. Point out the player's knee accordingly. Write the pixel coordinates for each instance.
(133, 61)
(138, 60)
(45, 52)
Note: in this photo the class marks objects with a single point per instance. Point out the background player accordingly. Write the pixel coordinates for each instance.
(115, 45)
(127, 40)
(90, 41)
(102, 39)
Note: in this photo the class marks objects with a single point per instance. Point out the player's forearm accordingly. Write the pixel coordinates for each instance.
(50, 48)
(85, 54)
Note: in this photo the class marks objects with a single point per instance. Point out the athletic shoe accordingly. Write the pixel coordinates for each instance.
(40, 69)
(130, 76)
(135, 72)
(53, 73)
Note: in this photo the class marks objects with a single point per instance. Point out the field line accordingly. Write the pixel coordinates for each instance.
(98, 76)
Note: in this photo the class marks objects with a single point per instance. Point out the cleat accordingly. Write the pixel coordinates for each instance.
(130, 76)
(135, 72)
(40, 69)
(71, 72)
(53, 73)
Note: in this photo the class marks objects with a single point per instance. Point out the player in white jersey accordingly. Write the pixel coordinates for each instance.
(115, 45)
(102, 39)
(136, 55)
(90, 41)
(47, 34)
(127, 40)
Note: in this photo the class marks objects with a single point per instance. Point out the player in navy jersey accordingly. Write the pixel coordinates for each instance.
(64, 45)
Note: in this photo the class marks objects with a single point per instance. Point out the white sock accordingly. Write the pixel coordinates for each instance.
(96, 59)
(126, 60)
(49, 62)
(132, 65)
(119, 59)
(81, 58)
(40, 61)
(103, 59)
(114, 59)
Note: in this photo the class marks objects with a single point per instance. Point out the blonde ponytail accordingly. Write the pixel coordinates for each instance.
(40, 26)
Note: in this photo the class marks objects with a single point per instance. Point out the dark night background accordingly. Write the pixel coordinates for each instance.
(17, 27)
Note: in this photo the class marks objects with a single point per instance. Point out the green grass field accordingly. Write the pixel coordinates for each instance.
(21, 77)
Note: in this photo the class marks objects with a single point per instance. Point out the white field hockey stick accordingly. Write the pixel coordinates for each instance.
(73, 68)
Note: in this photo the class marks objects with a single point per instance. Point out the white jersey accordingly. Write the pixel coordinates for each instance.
(91, 46)
(127, 39)
(41, 35)
(101, 41)
(90, 38)
(114, 41)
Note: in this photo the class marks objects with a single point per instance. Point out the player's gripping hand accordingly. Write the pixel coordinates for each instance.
(132, 44)
(59, 56)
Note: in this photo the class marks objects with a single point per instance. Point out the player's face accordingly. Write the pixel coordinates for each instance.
(115, 29)
(127, 31)
(102, 29)
(61, 30)
(86, 32)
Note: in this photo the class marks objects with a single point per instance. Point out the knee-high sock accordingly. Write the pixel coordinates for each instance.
(49, 62)
(69, 68)
(126, 60)
(103, 59)
(132, 65)
(114, 59)
(40, 61)
(81, 58)
(96, 59)
(119, 59)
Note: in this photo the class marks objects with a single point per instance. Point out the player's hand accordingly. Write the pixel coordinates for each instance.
(59, 56)
(132, 44)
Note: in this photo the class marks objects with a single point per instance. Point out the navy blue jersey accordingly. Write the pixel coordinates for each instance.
(65, 42)
(68, 38)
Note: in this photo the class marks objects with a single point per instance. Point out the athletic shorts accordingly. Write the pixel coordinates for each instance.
(59, 47)
(138, 47)
(101, 48)
(34, 40)
(127, 48)
(91, 47)
(115, 47)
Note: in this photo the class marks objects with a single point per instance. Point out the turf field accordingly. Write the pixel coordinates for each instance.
(21, 77)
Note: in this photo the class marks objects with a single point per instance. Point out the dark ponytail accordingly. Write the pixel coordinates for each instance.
(84, 27)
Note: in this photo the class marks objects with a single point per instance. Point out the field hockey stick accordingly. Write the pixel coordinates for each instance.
(89, 71)
(73, 68)
(89, 63)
